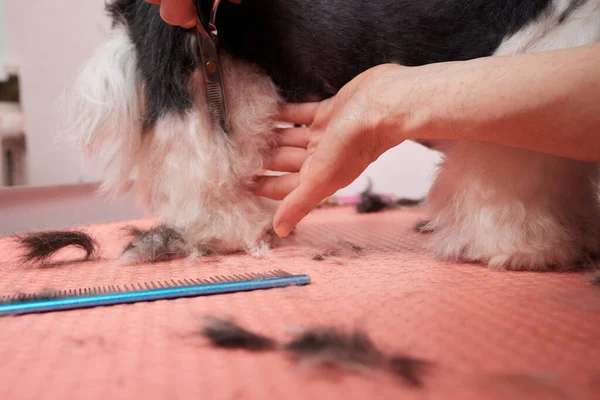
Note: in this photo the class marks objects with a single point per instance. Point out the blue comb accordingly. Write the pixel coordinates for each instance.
(158, 290)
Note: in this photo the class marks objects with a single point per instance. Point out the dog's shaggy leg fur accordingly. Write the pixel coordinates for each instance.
(513, 208)
(193, 176)
(199, 180)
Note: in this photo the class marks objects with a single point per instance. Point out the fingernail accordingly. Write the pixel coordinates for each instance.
(284, 228)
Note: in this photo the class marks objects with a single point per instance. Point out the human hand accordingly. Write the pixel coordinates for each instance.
(180, 12)
(344, 135)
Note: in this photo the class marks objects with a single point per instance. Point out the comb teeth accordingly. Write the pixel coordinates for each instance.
(215, 97)
(151, 285)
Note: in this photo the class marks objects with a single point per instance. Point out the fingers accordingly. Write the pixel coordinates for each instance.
(301, 201)
(293, 137)
(286, 159)
(180, 12)
(302, 114)
(177, 12)
(276, 187)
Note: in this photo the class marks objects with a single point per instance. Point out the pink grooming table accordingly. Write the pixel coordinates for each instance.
(492, 334)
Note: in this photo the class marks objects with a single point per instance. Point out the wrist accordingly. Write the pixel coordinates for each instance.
(407, 102)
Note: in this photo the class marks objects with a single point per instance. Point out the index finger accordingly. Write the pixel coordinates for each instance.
(297, 205)
(299, 113)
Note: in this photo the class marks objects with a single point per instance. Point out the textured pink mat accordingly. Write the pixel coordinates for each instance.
(492, 334)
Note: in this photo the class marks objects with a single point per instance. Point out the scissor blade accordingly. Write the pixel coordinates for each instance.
(216, 100)
(213, 78)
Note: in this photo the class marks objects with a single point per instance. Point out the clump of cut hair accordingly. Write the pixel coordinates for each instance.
(227, 334)
(327, 347)
(371, 202)
(343, 249)
(39, 247)
(157, 244)
(409, 368)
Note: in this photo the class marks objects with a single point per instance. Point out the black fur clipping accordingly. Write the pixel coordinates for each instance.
(330, 347)
(369, 202)
(41, 246)
(324, 346)
(227, 334)
(410, 369)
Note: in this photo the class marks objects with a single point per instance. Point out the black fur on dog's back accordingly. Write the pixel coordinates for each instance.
(165, 62)
(311, 48)
(314, 47)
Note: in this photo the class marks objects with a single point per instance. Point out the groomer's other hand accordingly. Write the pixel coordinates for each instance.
(180, 12)
(343, 136)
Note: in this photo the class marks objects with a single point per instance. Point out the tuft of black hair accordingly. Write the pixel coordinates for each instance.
(326, 254)
(409, 369)
(329, 346)
(227, 334)
(353, 350)
(40, 246)
(369, 202)
(324, 346)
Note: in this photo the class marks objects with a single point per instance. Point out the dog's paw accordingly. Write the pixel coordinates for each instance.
(514, 249)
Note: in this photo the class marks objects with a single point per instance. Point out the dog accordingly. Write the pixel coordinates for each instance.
(141, 97)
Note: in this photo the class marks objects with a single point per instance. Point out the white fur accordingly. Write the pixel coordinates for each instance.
(103, 111)
(514, 208)
(192, 175)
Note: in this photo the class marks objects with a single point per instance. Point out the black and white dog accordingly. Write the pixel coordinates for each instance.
(142, 97)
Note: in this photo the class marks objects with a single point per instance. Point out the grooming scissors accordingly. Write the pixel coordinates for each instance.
(211, 67)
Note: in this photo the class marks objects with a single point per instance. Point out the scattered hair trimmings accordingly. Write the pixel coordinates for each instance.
(327, 347)
(339, 252)
(223, 333)
(39, 247)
